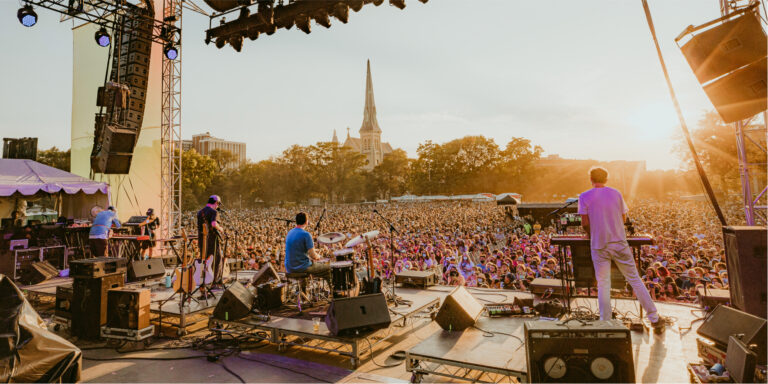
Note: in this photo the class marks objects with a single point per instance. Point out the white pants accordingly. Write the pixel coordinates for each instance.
(621, 254)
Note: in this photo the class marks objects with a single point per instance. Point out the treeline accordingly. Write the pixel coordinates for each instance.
(472, 164)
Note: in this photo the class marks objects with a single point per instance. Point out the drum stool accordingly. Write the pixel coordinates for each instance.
(297, 283)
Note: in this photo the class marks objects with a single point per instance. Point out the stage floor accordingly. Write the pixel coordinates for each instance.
(657, 358)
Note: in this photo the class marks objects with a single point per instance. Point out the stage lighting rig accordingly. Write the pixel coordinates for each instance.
(271, 16)
(102, 37)
(27, 16)
(102, 13)
(171, 52)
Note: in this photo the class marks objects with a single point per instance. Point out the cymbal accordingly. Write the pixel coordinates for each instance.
(357, 240)
(331, 237)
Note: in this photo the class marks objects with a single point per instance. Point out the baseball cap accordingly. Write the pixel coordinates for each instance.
(214, 199)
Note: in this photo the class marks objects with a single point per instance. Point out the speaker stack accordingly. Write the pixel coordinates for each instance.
(124, 96)
(730, 62)
(89, 303)
(745, 254)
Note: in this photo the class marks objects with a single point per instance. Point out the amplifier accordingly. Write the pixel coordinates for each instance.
(97, 267)
(552, 287)
(89, 304)
(421, 279)
(128, 308)
(599, 351)
(63, 307)
(270, 296)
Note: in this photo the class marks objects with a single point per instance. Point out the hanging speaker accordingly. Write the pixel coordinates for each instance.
(725, 48)
(741, 94)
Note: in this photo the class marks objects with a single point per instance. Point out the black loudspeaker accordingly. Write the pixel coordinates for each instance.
(353, 315)
(146, 269)
(741, 94)
(740, 361)
(725, 48)
(724, 322)
(114, 151)
(265, 274)
(236, 303)
(270, 296)
(599, 351)
(37, 272)
(459, 310)
(89, 303)
(745, 253)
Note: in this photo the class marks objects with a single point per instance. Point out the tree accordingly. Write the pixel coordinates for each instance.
(224, 158)
(390, 178)
(198, 172)
(55, 157)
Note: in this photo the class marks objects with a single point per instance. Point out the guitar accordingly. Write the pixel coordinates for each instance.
(225, 270)
(182, 279)
(202, 273)
(370, 284)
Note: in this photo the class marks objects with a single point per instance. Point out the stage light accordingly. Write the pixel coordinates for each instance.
(341, 12)
(321, 17)
(102, 37)
(423, 1)
(266, 13)
(253, 33)
(236, 43)
(220, 42)
(270, 29)
(377, 2)
(27, 16)
(302, 22)
(171, 52)
(397, 3)
(244, 12)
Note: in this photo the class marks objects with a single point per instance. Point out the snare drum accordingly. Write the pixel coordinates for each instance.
(343, 275)
(345, 254)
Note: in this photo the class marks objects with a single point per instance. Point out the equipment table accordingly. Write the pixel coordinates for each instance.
(473, 354)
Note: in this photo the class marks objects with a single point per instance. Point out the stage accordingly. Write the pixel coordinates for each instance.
(288, 350)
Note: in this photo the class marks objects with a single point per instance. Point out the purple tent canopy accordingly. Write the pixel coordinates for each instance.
(28, 177)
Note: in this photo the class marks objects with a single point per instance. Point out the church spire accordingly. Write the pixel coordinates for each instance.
(335, 139)
(369, 113)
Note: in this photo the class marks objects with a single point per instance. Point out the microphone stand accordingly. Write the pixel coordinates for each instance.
(287, 224)
(392, 230)
(556, 213)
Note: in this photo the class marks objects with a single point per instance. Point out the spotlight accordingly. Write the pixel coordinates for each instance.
(423, 1)
(302, 22)
(321, 17)
(102, 37)
(341, 12)
(270, 29)
(220, 41)
(377, 2)
(244, 12)
(356, 5)
(171, 52)
(236, 43)
(27, 16)
(266, 13)
(397, 3)
(252, 33)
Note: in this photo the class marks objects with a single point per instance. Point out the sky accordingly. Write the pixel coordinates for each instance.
(581, 79)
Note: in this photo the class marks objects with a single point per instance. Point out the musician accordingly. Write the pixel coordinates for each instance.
(98, 237)
(300, 255)
(603, 213)
(150, 225)
(209, 216)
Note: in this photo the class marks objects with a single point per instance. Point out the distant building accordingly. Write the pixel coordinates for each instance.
(204, 144)
(369, 143)
(186, 145)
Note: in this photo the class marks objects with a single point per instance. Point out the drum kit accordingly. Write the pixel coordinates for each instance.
(345, 266)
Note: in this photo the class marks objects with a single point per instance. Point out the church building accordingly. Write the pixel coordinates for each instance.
(369, 143)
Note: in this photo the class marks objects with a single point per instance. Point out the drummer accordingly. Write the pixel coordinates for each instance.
(300, 255)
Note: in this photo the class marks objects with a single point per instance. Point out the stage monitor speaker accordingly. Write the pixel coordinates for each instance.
(37, 272)
(740, 361)
(89, 303)
(745, 254)
(741, 94)
(354, 315)
(264, 275)
(598, 351)
(236, 303)
(270, 296)
(725, 48)
(459, 310)
(128, 308)
(724, 322)
(146, 269)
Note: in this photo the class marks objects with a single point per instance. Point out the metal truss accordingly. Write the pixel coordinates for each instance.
(420, 365)
(102, 13)
(170, 130)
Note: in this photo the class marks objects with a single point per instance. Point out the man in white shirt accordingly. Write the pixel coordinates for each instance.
(603, 213)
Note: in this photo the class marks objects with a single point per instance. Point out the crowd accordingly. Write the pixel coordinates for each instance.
(476, 245)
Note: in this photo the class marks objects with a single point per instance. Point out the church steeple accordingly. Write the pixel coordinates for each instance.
(335, 139)
(369, 113)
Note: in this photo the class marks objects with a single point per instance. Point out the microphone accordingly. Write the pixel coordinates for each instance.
(220, 209)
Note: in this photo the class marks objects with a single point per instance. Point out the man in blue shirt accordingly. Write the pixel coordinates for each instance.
(300, 251)
(98, 237)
